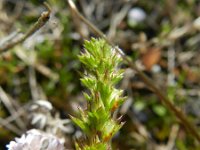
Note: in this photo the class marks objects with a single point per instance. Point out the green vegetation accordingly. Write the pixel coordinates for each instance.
(86, 79)
(100, 78)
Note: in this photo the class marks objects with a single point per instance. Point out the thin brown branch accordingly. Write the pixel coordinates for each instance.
(44, 17)
(177, 112)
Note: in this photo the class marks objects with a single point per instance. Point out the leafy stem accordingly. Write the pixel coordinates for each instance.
(103, 98)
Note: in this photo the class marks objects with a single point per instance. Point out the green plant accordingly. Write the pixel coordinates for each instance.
(102, 74)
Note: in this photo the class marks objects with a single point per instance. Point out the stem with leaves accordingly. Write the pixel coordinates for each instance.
(149, 82)
(102, 74)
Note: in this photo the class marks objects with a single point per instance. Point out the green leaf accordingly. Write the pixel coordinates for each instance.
(80, 123)
(88, 81)
(159, 110)
(96, 146)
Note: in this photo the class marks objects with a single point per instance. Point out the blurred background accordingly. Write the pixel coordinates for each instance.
(39, 78)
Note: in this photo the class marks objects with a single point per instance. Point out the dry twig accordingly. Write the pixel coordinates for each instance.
(40, 23)
(9, 105)
(10, 126)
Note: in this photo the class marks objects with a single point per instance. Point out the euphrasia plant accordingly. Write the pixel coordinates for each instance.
(102, 74)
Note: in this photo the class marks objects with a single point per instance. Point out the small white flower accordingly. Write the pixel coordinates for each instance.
(36, 140)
